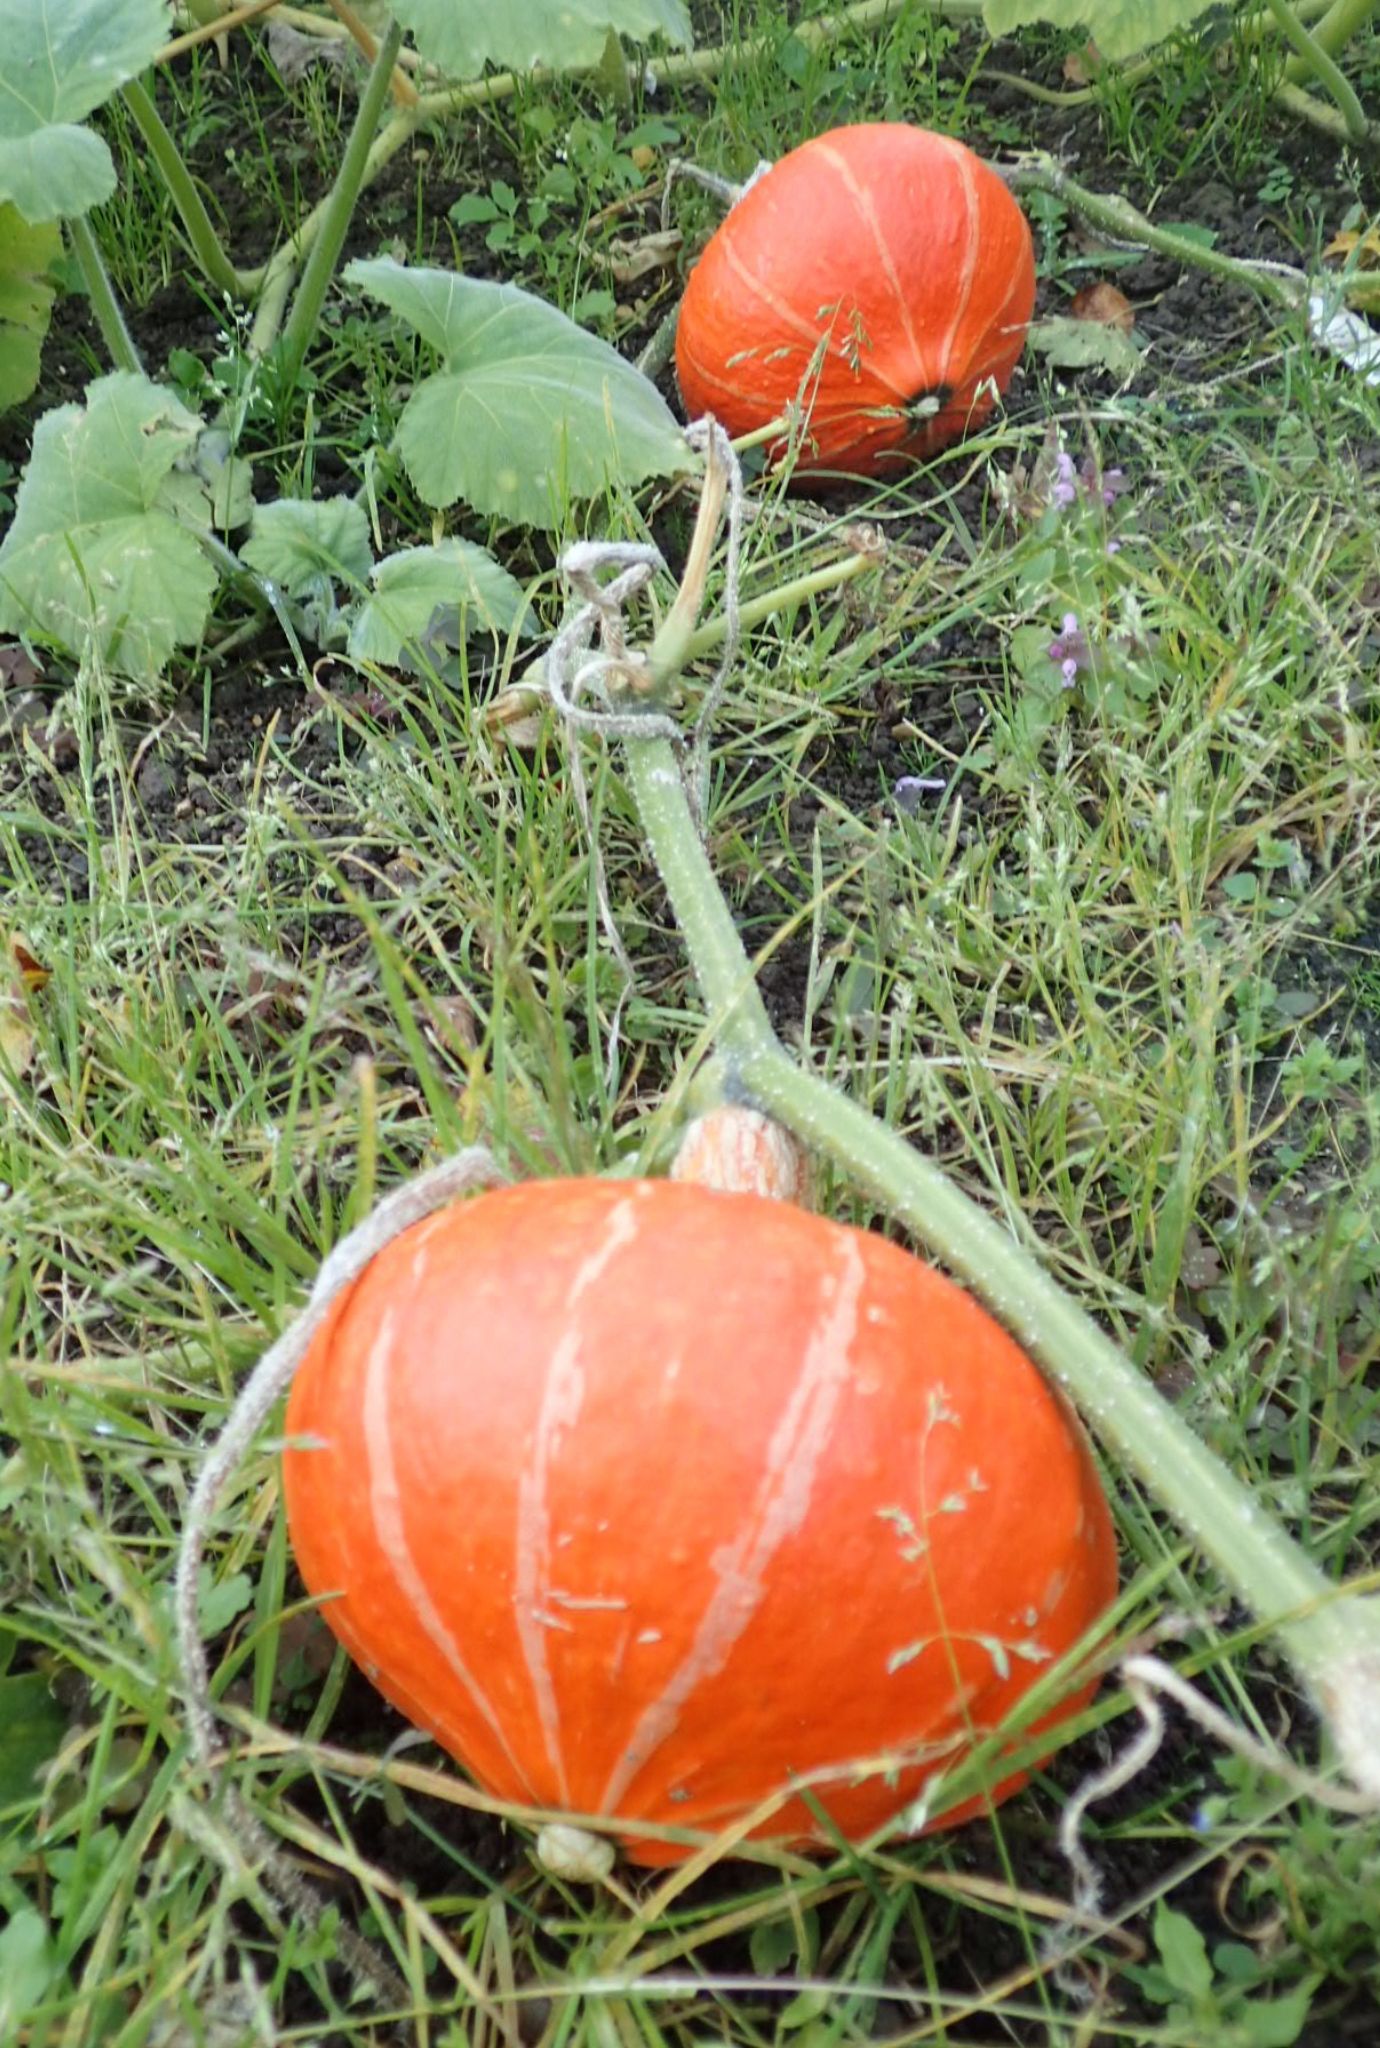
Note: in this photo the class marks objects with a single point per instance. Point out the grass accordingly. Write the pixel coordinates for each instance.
(1119, 975)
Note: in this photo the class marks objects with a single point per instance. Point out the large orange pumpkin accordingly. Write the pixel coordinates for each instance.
(648, 1501)
(882, 277)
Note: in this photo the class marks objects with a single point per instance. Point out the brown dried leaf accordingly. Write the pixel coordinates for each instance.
(18, 669)
(21, 975)
(1366, 247)
(630, 257)
(301, 1635)
(456, 1025)
(1104, 304)
(1082, 66)
(1362, 254)
(32, 973)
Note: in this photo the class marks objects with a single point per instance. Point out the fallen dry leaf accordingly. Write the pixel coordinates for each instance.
(631, 257)
(21, 975)
(1103, 303)
(1360, 254)
(18, 669)
(1365, 247)
(294, 54)
(1082, 66)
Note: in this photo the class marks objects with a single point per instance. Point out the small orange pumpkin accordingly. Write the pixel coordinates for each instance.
(883, 277)
(651, 1502)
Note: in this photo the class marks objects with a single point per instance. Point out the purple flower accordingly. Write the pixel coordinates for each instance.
(1071, 649)
(1064, 488)
(1108, 485)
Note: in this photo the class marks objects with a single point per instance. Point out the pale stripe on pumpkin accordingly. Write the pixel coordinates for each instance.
(778, 1508)
(862, 201)
(385, 1507)
(784, 311)
(561, 1400)
(966, 167)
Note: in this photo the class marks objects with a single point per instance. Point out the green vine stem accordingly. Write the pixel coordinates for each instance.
(339, 207)
(1322, 66)
(205, 242)
(119, 342)
(1343, 20)
(1119, 221)
(1333, 1637)
(1329, 120)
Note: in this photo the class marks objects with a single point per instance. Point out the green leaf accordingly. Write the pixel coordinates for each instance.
(221, 1601)
(27, 254)
(1183, 1952)
(530, 410)
(32, 1726)
(27, 1968)
(462, 36)
(1120, 28)
(1277, 2022)
(62, 59)
(94, 557)
(422, 592)
(772, 1947)
(297, 541)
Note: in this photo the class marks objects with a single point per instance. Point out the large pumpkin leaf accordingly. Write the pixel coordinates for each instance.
(27, 253)
(94, 557)
(435, 596)
(62, 59)
(1120, 28)
(462, 36)
(529, 411)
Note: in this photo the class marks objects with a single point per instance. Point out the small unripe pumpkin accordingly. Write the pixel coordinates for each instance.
(882, 277)
(650, 1502)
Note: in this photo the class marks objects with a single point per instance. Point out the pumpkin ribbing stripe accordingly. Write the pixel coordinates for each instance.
(965, 166)
(779, 1506)
(1002, 333)
(562, 1399)
(385, 1508)
(868, 214)
(783, 310)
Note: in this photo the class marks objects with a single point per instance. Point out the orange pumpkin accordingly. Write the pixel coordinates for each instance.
(649, 1502)
(882, 277)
